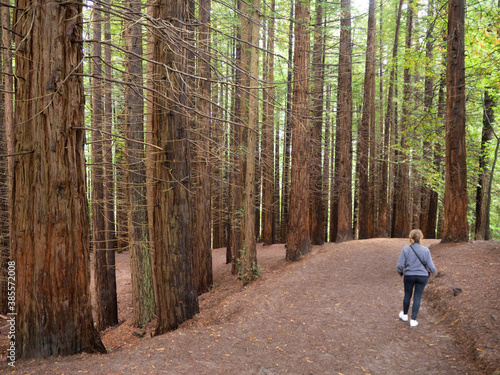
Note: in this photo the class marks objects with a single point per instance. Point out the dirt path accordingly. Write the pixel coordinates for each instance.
(333, 312)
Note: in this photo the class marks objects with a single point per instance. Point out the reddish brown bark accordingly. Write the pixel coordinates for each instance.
(175, 290)
(298, 240)
(269, 201)
(7, 164)
(402, 189)
(482, 225)
(383, 222)
(317, 202)
(143, 301)
(365, 199)
(109, 190)
(456, 227)
(285, 194)
(202, 215)
(50, 223)
(343, 176)
(106, 304)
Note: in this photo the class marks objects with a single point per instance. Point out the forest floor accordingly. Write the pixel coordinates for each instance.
(335, 311)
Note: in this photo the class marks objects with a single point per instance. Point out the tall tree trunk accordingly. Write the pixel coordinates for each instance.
(482, 225)
(122, 190)
(269, 198)
(436, 209)
(151, 149)
(402, 195)
(327, 146)
(298, 237)
(343, 178)
(202, 216)
(379, 146)
(237, 159)
(285, 195)
(427, 224)
(7, 148)
(365, 199)
(175, 289)
(109, 190)
(50, 225)
(456, 227)
(383, 222)
(143, 301)
(219, 150)
(104, 298)
(250, 23)
(317, 202)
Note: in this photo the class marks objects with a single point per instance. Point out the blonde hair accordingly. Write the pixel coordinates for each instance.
(416, 235)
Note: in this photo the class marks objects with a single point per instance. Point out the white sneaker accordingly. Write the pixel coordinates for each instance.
(403, 316)
(413, 323)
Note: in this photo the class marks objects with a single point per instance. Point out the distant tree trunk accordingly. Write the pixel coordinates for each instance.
(383, 222)
(379, 145)
(151, 149)
(427, 224)
(402, 192)
(317, 203)
(50, 225)
(250, 65)
(285, 195)
(327, 147)
(269, 201)
(202, 212)
(335, 162)
(143, 301)
(436, 208)
(175, 289)
(482, 225)
(7, 148)
(219, 152)
(343, 178)
(122, 194)
(298, 240)
(456, 227)
(109, 190)
(365, 199)
(238, 136)
(105, 302)
(432, 213)
(276, 190)
(393, 157)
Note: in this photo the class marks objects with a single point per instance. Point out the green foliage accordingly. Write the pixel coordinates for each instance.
(246, 273)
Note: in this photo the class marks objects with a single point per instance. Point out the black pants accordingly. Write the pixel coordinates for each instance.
(410, 282)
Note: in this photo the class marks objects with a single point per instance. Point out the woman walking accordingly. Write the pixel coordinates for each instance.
(415, 263)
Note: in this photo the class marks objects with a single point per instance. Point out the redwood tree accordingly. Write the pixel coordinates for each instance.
(138, 235)
(343, 176)
(456, 227)
(175, 289)
(203, 249)
(365, 199)
(317, 198)
(482, 225)
(298, 240)
(50, 223)
(7, 166)
(402, 194)
(106, 304)
(383, 222)
(250, 22)
(269, 187)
